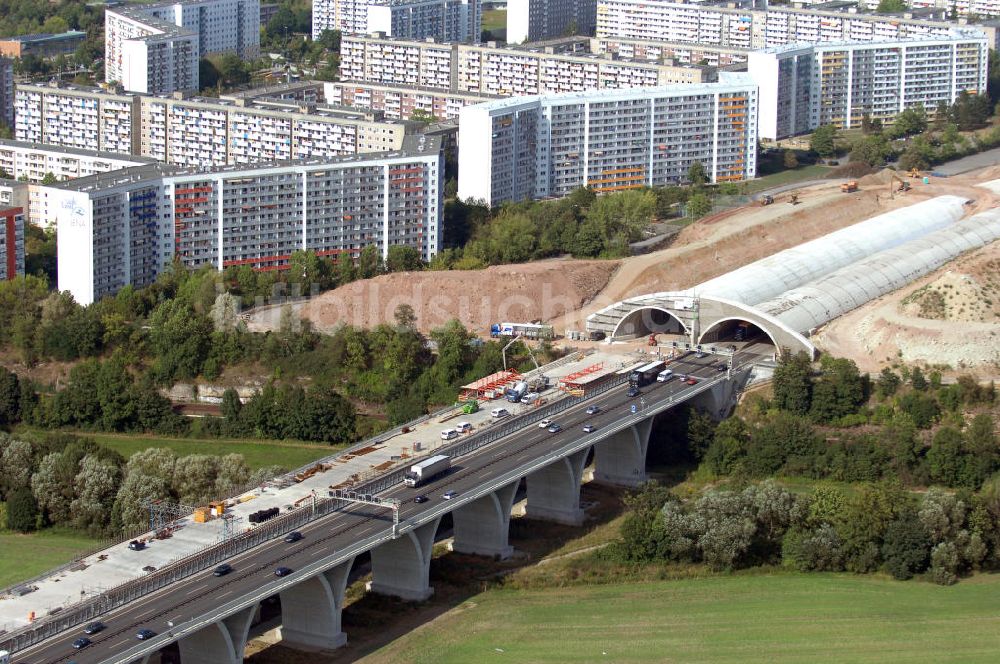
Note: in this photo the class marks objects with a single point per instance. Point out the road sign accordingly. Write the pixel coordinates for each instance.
(634, 408)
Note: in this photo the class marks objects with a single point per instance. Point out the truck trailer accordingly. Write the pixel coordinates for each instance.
(426, 470)
(526, 330)
(646, 374)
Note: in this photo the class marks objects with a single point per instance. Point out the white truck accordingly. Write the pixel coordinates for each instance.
(426, 470)
(4, 657)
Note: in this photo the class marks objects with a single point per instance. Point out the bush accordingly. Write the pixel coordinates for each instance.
(22, 511)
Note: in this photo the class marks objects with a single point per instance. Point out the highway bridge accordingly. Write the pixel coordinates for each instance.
(210, 617)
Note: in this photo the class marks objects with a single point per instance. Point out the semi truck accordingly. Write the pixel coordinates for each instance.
(526, 330)
(646, 374)
(426, 470)
(4, 657)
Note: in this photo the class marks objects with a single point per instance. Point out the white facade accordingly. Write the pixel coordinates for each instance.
(31, 162)
(7, 91)
(540, 146)
(155, 48)
(444, 20)
(803, 87)
(126, 227)
(74, 117)
(662, 20)
(534, 20)
(400, 102)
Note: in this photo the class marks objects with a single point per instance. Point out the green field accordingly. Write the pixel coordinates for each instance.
(257, 454)
(24, 556)
(741, 618)
(495, 19)
(800, 174)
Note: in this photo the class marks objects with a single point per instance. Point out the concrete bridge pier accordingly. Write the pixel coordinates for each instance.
(221, 642)
(620, 459)
(554, 491)
(719, 401)
(482, 526)
(401, 567)
(311, 611)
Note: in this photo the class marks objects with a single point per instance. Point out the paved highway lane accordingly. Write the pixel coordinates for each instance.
(253, 570)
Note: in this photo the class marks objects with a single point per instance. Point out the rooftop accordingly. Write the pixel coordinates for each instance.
(58, 149)
(46, 37)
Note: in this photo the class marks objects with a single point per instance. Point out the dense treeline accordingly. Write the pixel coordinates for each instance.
(877, 527)
(61, 479)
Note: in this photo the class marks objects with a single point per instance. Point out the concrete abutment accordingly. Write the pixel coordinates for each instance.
(401, 567)
(620, 459)
(554, 491)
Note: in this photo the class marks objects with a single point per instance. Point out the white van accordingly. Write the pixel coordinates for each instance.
(448, 434)
(530, 398)
(664, 376)
(464, 427)
(499, 412)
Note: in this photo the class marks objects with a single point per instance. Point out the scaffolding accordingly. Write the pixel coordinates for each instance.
(490, 387)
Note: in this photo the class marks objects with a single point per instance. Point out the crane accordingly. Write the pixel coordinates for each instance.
(511, 343)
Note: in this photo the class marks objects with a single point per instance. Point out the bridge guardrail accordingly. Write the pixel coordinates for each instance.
(133, 589)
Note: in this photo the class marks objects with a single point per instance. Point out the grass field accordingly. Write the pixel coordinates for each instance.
(24, 556)
(800, 174)
(741, 618)
(495, 19)
(257, 454)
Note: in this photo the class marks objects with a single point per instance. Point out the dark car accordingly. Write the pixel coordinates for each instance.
(293, 536)
(283, 571)
(145, 634)
(421, 499)
(136, 545)
(633, 391)
(94, 627)
(555, 428)
(589, 428)
(222, 570)
(721, 366)
(593, 410)
(82, 642)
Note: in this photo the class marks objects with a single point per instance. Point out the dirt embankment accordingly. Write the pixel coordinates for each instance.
(544, 290)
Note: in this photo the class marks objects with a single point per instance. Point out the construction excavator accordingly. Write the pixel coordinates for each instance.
(903, 186)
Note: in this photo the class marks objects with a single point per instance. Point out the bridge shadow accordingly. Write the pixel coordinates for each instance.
(373, 621)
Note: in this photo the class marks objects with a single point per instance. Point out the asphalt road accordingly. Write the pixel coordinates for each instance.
(201, 593)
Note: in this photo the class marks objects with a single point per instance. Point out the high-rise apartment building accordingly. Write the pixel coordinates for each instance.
(31, 162)
(443, 20)
(11, 243)
(197, 131)
(126, 227)
(7, 91)
(562, 66)
(155, 48)
(714, 25)
(610, 140)
(535, 20)
(401, 102)
(805, 86)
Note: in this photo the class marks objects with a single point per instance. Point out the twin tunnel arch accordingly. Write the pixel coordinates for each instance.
(660, 319)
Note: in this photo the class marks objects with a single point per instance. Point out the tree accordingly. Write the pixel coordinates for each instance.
(405, 316)
(944, 563)
(697, 175)
(872, 150)
(10, 397)
(839, 391)
(700, 433)
(97, 486)
(180, 340)
(22, 511)
(891, 6)
(53, 485)
(729, 446)
(403, 258)
(370, 262)
(945, 456)
(887, 383)
(910, 121)
(824, 141)
(906, 546)
(194, 478)
(791, 161)
(130, 510)
(17, 464)
(699, 205)
(917, 380)
(231, 405)
(232, 474)
(792, 385)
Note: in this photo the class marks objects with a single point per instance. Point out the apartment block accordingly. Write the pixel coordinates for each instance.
(493, 70)
(444, 20)
(11, 243)
(399, 102)
(31, 162)
(714, 25)
(535, 20)
(610, 140)
(7, 91)
(75, 117)
(960, 8)
(198, 131)
(155, 48)
(803, 87)
(126, 227)
(679, 53)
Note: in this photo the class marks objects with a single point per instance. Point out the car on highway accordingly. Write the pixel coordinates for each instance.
(421, 499)
(633, 391)
(293, 536)
(692, 380)
(222, 570)
(136, 545)
(721, 366)
(544, 423)
(93, 628)
(589, 428)
(555, 428)
(82, 642)
(448, 495)
(699, 354)
(593, 410)
(145, 634)
(283, 571)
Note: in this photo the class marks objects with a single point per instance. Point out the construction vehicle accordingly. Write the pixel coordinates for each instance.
(426, 470)
(914, 173)
(793, 199)
(4, 657)
(849, 187)
(766, 200)
(903, 185)
(652, 340)
(470, 407)
(518, 390)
